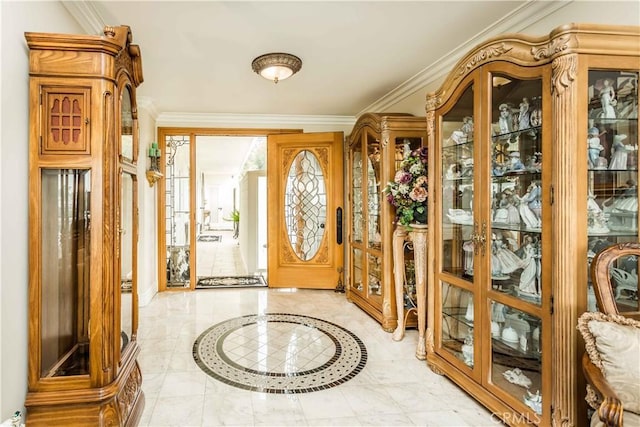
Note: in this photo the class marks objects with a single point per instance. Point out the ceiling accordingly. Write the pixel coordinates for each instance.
(358, 56)
(197, 55)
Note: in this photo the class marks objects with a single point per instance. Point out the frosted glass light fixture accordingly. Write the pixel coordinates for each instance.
(276, 66)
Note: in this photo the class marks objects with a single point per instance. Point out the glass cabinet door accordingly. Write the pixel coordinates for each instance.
(127, 256)
(516, 191)
(126, 124)
(457, 188)
(458, 228)
(373, 209)
(515, 242)
(612, 177)
(65, 272)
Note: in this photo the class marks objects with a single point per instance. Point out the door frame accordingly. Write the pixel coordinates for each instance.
(192, 132)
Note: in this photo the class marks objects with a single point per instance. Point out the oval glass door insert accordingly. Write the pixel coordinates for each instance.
(305, 205)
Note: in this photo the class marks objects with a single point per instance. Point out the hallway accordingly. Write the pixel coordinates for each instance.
(219, 258)
(392, 389)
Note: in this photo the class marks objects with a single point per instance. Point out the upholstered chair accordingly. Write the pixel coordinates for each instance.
(611, 363)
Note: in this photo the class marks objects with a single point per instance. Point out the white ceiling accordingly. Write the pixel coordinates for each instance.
(358, 56)
(197, 54)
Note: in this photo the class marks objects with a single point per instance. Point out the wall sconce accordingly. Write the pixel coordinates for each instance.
(276, 66)
(153, 174)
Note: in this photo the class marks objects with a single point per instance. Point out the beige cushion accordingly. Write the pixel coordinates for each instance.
(613, 345)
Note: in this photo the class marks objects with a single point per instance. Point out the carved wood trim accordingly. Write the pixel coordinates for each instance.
(564, 244)
(431, 122)
(129, 393)
(555, 46)
(482, 56)
(564, 70)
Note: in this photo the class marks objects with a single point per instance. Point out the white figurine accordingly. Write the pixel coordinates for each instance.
(467, 126)
(534, 401)
(618, 153)
(607, 99)
(523, 115)
(516, 376)
(505, 121)
(503, 261)
(531, 206)
(527, 284)
(594, 147)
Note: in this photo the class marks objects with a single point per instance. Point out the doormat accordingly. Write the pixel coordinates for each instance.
(210, 238)
(230, 282)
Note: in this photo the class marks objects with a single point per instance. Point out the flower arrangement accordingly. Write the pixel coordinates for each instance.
(408, 190)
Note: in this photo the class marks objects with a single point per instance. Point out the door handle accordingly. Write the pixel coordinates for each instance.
(339, 226)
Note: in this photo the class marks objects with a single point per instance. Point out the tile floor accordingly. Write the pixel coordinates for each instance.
(393, 389)
(219, 258)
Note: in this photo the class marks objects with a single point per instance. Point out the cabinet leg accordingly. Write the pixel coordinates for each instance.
(419, 238)
(399, 236)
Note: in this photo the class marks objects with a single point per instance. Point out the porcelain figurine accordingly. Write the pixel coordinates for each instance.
(534, 401)
(608, 99)
(516, 376)
(619, 153)
(594, 147)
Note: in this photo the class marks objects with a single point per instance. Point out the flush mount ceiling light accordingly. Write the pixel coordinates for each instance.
(276, 66)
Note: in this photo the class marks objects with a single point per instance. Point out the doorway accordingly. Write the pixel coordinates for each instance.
(211, 205)
(229, 171)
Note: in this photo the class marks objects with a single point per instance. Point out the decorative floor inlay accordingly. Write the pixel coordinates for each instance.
(280, 353)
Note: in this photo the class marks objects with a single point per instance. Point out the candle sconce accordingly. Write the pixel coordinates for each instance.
(153, 174)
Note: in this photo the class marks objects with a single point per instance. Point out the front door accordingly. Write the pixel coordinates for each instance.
(304, 207)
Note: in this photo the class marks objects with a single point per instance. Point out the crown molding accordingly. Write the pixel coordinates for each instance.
(86, 15)
(252, 120)
(514, 22)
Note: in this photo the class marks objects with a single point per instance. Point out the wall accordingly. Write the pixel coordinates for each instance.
(17, 18)
(147, 202)
(251, 211)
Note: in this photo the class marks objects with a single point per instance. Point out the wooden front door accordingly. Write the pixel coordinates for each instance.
(304, 205)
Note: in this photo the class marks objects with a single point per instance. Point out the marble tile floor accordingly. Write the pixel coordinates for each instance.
(393, 389)
(220, 258)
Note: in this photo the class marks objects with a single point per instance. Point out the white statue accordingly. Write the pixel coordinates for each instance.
(527, 284)
(608, 100)
(497, 312)
(505, 121)
(516, 376)
(618, 153)
(594, 147)
(531, 206)
(503, 261)
(523, 115)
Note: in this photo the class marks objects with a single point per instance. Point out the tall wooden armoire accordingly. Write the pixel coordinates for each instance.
(83, 216)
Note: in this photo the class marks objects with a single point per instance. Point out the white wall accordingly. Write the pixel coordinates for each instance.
(147, 202)
(251, 211)
(17, 18)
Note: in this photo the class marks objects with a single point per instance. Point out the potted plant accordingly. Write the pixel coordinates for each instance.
(235, 217)
(408, 190)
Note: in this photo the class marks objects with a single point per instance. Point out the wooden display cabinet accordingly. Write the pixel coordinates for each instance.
(83, 215)
(376, 147)
(522, 200)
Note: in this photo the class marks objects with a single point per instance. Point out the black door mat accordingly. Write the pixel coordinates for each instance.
(209, 238)
(230, 282)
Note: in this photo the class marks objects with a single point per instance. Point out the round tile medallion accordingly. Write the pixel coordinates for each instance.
(280, 353)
